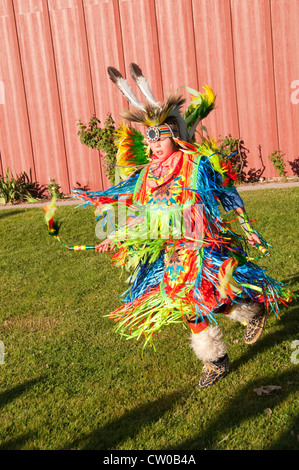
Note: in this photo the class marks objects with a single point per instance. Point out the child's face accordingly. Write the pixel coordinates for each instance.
(162, 148)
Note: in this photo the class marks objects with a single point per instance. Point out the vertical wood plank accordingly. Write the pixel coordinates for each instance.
(75, 88)
(215, 63)
(105, 48)
(41, 91)
(140, 42)
(252, 41)
(285, 33)
(176, 45)
(15, 137)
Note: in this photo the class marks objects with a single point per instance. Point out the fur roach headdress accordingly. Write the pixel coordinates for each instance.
(153, 114)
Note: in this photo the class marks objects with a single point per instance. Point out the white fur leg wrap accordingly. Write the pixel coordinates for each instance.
(208, 345)
(244, 313)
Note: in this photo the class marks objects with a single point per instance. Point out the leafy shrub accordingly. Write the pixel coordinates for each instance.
(54, 188)
(230, 145)
(101, 138)
(277, 158)
(18, 188)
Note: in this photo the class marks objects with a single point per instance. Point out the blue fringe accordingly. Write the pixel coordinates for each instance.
(121, 189)
(149, 275)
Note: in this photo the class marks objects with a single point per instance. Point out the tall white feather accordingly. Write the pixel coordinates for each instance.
(143, 85)
(124, 87)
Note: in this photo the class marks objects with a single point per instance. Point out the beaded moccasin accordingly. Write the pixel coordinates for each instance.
(213, 371)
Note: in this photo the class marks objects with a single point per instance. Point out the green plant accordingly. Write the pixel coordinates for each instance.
(54, 188)
(277, 158)
(101, 138)
(18, 188)
(229, 146)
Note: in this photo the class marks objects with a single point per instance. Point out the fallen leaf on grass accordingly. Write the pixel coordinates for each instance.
(266, 389)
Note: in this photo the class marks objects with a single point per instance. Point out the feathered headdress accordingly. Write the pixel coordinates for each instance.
(153, 113)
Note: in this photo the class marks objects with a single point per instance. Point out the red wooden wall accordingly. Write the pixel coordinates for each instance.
(54, 56)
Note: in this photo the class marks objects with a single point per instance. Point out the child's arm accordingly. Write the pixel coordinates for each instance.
(106, 245)
(246, 226)
(109, 243)
(231, 200)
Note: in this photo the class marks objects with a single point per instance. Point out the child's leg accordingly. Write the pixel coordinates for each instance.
(253, 315)
(208, 346)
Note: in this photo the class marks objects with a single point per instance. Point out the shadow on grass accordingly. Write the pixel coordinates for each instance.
(243, 406)
(5, 398)
(288, 440)
(247, 405)
(8, 212)
(18, 443)
(288, 324)
(291, 282)
(15, 392)
(129, 424)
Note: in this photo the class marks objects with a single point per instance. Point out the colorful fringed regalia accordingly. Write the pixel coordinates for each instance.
(185, 263)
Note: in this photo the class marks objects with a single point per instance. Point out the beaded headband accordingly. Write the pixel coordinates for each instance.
(155, 133)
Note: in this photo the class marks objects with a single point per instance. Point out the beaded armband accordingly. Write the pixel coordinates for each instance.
(248, 229)
(245, 223)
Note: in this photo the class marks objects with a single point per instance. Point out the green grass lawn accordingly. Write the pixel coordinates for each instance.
(69, 382)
